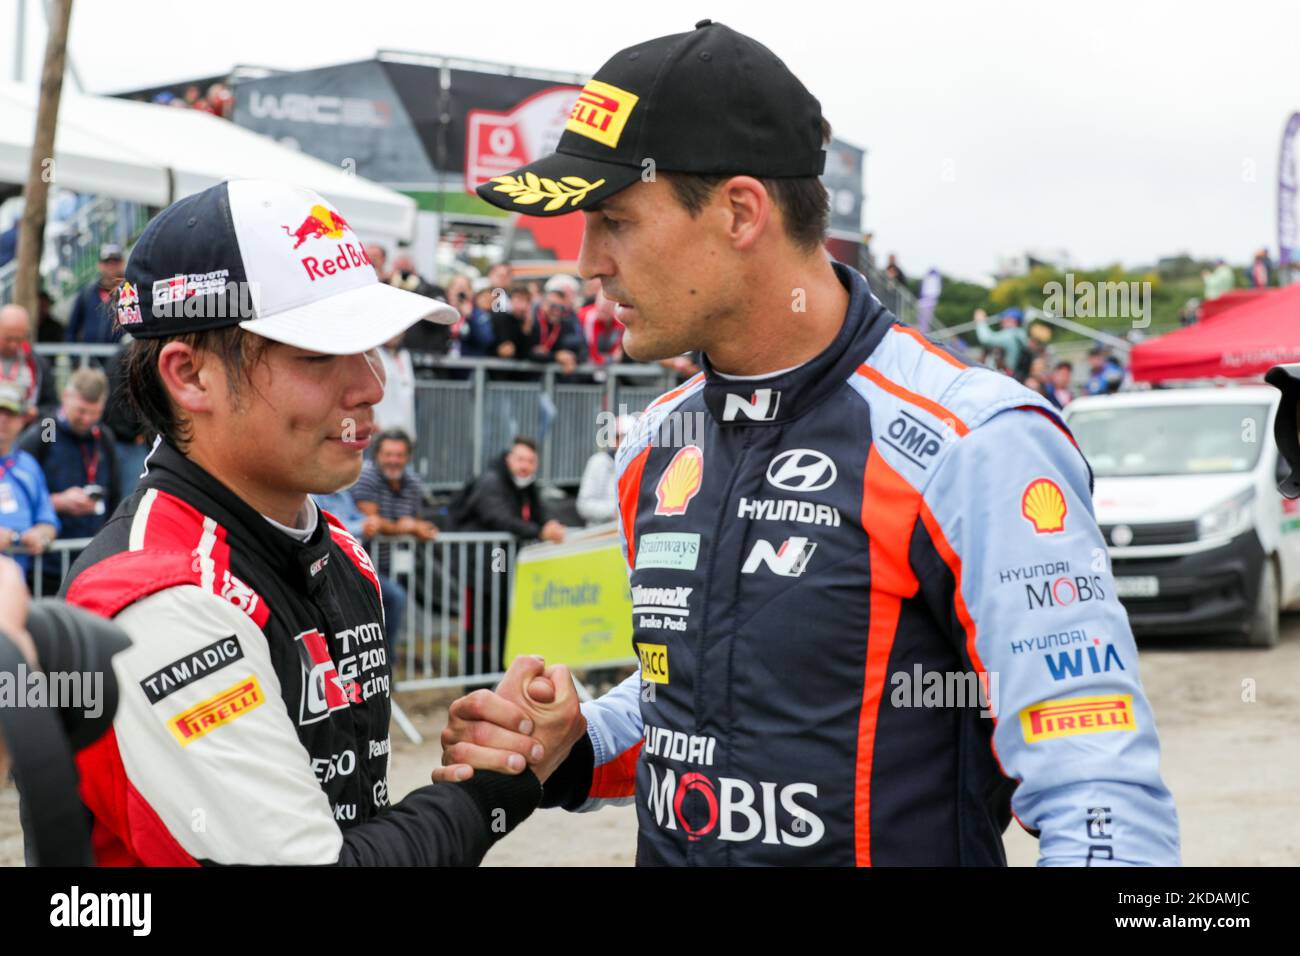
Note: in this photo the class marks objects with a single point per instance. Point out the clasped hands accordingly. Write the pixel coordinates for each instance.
(531, 720)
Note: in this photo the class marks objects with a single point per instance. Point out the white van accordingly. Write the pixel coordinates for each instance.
(1200, 540)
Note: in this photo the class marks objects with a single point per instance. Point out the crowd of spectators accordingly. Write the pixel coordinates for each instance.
(218, 100)
(1026, 356)
(70, 457)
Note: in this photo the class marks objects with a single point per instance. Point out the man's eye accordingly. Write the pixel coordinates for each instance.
(613, 223)
(318, 359)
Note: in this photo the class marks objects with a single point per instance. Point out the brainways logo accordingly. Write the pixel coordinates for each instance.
(321, 223)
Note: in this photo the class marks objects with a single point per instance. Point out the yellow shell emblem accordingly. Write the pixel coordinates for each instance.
(1043, 505)
(680, 481)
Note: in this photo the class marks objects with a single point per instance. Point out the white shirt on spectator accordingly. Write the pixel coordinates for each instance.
(598, 492)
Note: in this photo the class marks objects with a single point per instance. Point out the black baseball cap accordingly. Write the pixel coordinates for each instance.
(1286, 428)
(276, 259)
(709, 102)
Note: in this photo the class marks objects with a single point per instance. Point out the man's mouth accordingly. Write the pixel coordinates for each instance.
(358, 440)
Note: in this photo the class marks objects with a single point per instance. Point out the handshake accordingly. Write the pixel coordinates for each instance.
(532, 720)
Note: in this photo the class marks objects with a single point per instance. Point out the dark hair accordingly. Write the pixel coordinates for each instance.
(525, 441)
(239, 352)
(1064, 364)
(803, 201)
(394, 434)
(519, 289)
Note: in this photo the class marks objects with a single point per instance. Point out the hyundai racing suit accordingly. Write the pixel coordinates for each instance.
(833, 571)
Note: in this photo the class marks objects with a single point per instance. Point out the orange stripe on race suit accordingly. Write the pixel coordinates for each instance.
(629, 491)
(934, 408)
(669, 396)
(953, 561)
(617, 777)
(929, 346)
(889, 511)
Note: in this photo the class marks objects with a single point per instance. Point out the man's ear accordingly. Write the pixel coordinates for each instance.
(181, 368)
(748, 208)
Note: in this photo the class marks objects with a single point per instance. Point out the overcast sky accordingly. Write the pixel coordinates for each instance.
(1119, 131)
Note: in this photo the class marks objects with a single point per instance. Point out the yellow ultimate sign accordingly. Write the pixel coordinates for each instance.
(571, 602)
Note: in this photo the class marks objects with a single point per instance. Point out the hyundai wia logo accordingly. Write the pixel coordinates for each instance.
(801, 469)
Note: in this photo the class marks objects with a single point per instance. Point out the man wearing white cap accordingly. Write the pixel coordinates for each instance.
(253, 724)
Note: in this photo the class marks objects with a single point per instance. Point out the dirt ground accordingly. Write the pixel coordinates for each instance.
(1233, 765)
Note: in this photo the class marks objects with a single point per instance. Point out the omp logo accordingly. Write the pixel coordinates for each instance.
(790, 560)
(654, 662)
(801, 469)
(218, 710)
(1078, 715)
(759, 407)
(913, 439)
(726, 808)
(601, 112)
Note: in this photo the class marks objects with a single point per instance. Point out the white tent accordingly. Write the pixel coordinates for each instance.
(157, 154)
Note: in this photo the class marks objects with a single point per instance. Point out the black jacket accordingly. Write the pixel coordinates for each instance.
(495, 503)
(256, 695)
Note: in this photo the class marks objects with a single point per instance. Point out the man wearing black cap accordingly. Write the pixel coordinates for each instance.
(91, 319)
(253, 721)
(856, 516)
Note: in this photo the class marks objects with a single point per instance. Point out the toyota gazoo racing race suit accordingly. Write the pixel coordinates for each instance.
(252, 725)
(832, 570)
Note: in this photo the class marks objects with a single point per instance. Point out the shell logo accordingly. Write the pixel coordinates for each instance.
(1043, 506)
(680, 481)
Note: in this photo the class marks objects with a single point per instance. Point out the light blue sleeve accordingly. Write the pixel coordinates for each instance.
(1037, 604)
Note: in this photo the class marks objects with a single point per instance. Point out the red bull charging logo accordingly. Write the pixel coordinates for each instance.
(325, 223)
(321, 223)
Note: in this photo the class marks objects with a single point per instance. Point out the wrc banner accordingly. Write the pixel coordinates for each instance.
(571, 602)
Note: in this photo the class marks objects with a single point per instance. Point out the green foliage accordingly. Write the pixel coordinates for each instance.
(1168, 295)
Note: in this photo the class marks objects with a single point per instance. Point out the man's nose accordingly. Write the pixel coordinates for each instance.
(365, 378)
(593, 263)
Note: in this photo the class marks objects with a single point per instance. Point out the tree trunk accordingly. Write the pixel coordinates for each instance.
(41, 172)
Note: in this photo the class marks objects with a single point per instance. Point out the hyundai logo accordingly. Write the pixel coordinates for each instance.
(801, 469)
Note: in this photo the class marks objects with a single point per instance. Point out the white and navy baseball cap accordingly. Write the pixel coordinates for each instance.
(276, 260)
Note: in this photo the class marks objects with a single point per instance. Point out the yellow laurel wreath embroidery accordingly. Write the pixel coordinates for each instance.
(531, 188)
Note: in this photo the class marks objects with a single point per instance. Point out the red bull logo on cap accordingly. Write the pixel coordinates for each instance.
(321, 223)
(325, 223)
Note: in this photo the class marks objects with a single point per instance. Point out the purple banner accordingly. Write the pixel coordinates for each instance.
(1286, 185)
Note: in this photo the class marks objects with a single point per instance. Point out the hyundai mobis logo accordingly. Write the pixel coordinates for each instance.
(802, 469)
(728, 808)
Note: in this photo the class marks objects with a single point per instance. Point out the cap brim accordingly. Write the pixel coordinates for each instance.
(354, 321)
(558, 184)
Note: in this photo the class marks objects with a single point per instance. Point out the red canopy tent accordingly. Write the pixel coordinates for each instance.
(1243, 340)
